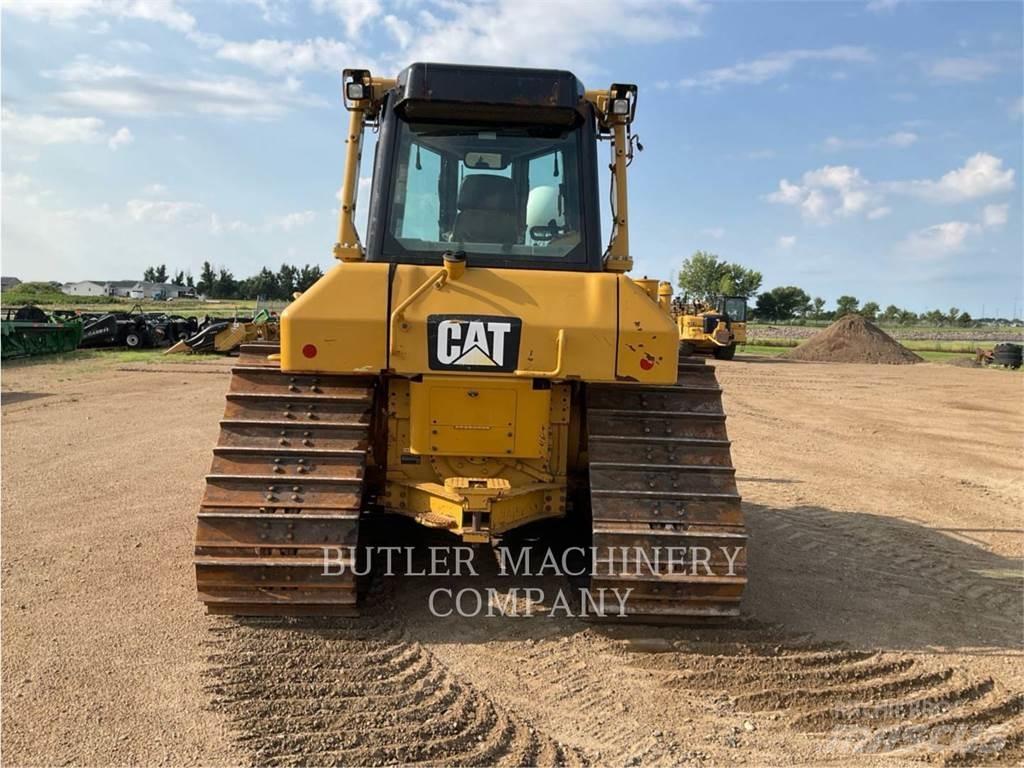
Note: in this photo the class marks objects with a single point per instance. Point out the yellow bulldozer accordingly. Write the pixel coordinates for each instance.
(479, 364)
(711, 328)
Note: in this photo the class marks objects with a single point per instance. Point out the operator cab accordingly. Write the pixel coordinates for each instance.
(733, 307)
(498, 163)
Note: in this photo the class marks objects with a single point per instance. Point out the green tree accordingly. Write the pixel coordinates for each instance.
(307, 276)
(952, 315)
(907, 317)
(179, 278)
(188, 280)
(704, 276)
(870, 310)
(260, 286)
(934, 317)
(846, 305)
(160, 274)
(207, 279)
(739, 281)
(891, 314)
(225, 286)
(149, 275)
(782, 303)
(819, 307)
(287, 276)
(964, 318)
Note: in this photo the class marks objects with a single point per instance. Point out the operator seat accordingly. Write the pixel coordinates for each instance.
(486, 210)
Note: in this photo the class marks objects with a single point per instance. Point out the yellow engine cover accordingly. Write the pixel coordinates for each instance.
(340, 324)
(509, 323)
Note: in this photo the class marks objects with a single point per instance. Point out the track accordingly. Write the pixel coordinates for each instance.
(661, 477)
(286, 480)
(342, 692)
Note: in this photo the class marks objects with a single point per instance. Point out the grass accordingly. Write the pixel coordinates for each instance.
(83, 360)
(930, 355)
(761, 349)
(936, 329)
(45, 296)
(917, 345)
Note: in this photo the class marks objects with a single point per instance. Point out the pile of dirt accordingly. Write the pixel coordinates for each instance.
(852, 339)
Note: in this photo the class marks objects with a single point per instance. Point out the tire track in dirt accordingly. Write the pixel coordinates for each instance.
(856, 703)
(359, 692)
(898, 556)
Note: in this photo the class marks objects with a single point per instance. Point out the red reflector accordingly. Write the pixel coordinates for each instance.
(309, 350)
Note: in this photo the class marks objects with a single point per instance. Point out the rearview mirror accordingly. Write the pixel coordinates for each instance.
(484, 160)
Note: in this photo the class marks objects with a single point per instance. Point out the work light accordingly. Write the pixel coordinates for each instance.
(356, 91)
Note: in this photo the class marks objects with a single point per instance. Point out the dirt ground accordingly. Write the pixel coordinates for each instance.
(882, 624)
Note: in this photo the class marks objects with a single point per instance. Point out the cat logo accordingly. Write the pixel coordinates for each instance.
(473, 342)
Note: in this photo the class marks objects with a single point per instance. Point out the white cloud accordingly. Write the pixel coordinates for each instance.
(1017, 108)
(166, 12)
(219, 227)
(831, 190)
(937, 242)
(154, 189)
(882, 6)
(41, 129)
(290, 221)
(995, 216)
(960, 69)
(271, 12)
(98, 214)
(786, 241)
(130, 47)
(899, 140)
(281, 56)
(353, 13)
(399, 29)
(515, 33)
(980, 176)
(122, 138)
(120, 90)
(775, 65)
(16, 181)
(163, 211)
(841, 190)
(716, 232)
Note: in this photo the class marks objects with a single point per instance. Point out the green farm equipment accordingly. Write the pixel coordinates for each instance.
(29, 331)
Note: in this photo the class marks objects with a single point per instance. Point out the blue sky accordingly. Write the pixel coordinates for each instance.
(871, 148)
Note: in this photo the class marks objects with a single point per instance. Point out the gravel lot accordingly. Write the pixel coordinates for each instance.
(883, 622)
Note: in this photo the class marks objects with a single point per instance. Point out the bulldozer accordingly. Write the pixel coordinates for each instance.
(480, 364)
(711, 328)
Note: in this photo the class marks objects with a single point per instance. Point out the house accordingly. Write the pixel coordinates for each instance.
(6, 283)
(85, 288)
(120, 287)
(129, 289)
(147, 290)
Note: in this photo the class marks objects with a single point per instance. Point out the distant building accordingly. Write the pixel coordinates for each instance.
(129, 289)
(7, 283)
(85, 288)
(120, 287)
(146, 290)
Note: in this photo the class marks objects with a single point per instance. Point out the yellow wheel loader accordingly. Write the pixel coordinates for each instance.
(480, 363)
(711, 328)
